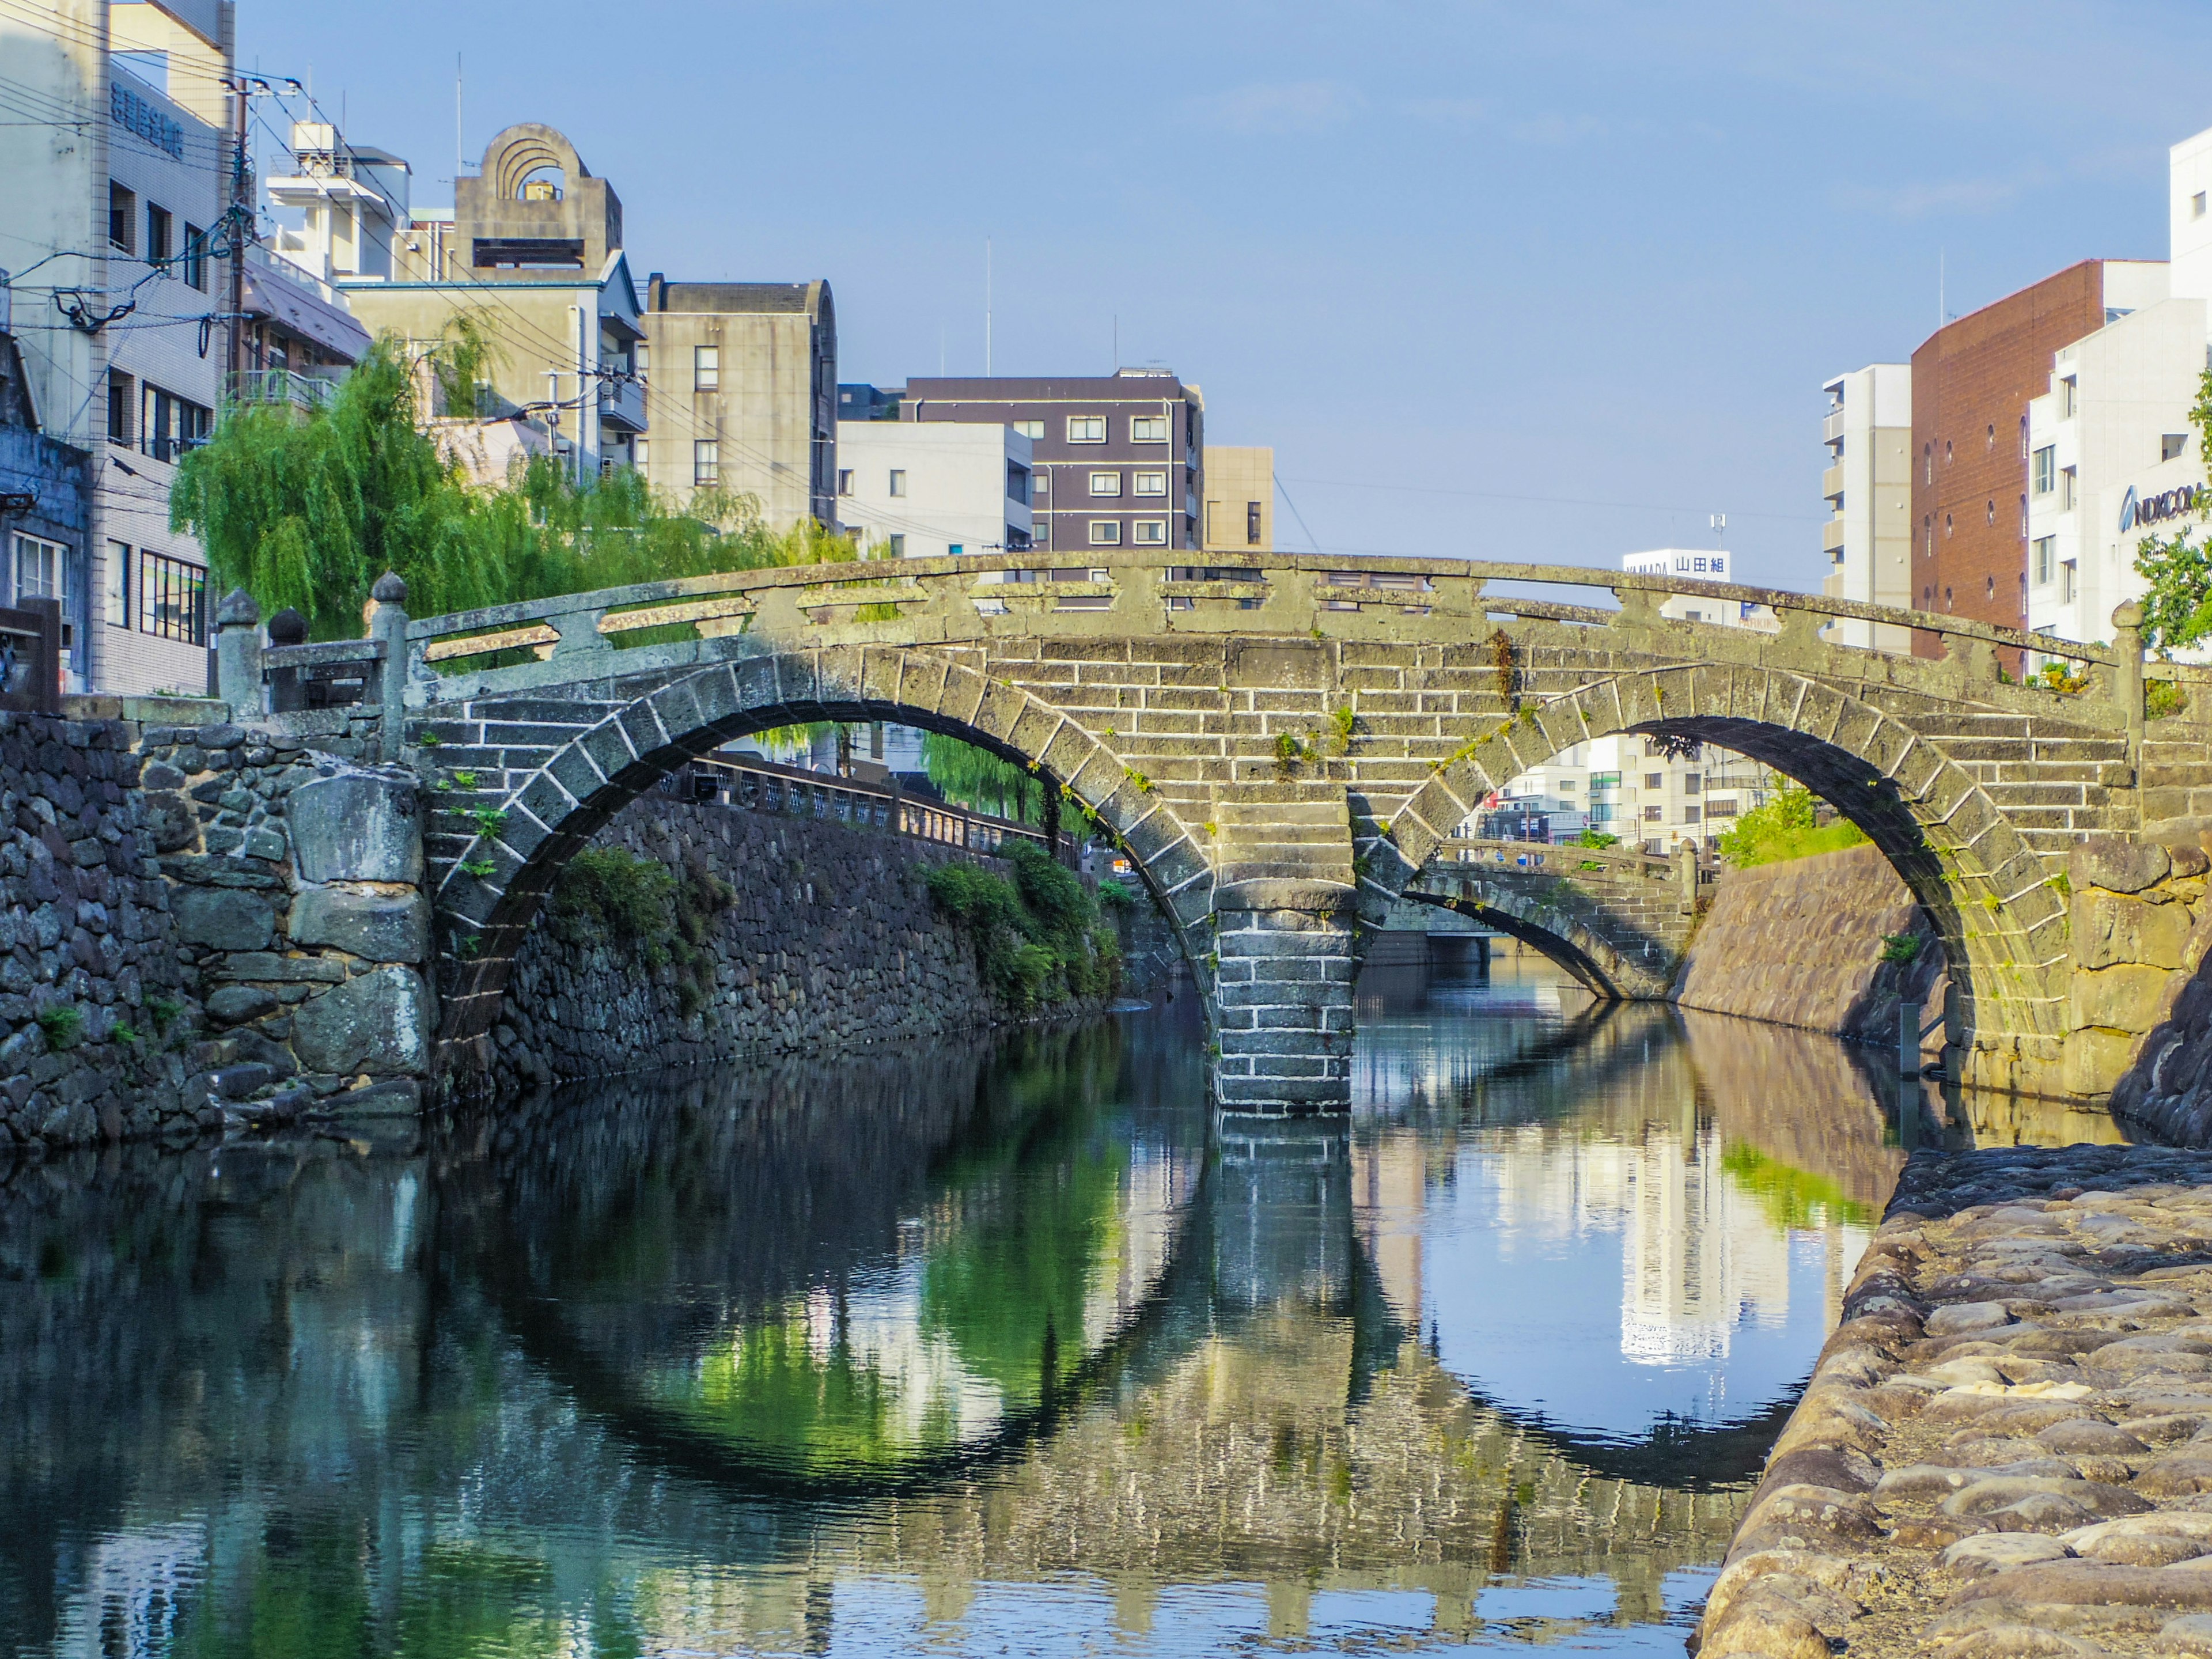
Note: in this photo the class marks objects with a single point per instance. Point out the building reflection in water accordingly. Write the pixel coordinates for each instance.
(960, 1349)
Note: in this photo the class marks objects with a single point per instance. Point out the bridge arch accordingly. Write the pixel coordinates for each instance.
(1564, 939)
(622, 746)
(1983, 887)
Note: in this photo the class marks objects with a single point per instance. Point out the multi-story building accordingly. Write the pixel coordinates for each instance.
(1240, 500)
(533, 254)
(918, 491)
(1118, 459)
(1638, 788)
(1972, 381)
(1867, 485)
(1705, 564)
(741, 388)
(2112, 457)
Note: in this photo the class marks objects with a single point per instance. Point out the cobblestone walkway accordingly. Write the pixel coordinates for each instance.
(2007, 1447)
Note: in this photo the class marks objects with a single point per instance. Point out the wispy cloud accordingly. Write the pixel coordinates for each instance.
(1935, 197)
(1454, 113)
(1287, 106)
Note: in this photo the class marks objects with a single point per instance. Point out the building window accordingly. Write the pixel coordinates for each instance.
(1992, 509)
(1992, 442)
(706, 463)
(844, 481)
(1947, 452)
(2023, 437)
(641, 359)
(2171, 444)
(1690, 814)
(1990, 583)
(706, 369)
(1721, 809)
(1018, 482)
(1654, 780)
(2023, 518)
(1692, 782)
(2066, 477)
(1927, 462)
(2196, 205)
(898, 546)
(898, 481)
(1041, 482)
(2044, 559)
(1148, 429)
(957, 549)
(122, 398)
(1105, 533)
(1151, 533)
(639, 452)
(195, 257)
(1033, 430)
(172, 598)
(1105, 484)
(1654, 815)
(2067, 395)
(1946, 526)
(1086, 429)
(1252, 523)
(119, 584)
(2067, 574)
(121, 217)
(160, 244)
(173, 425)
(2044, 473)
(1151, 483)
(42, 567)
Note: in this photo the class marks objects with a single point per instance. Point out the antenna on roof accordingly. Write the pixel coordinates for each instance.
(1718, 521)
(987, 307)
(460, 148)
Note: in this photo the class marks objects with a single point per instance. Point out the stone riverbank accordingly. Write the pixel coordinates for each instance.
(2006, 1449)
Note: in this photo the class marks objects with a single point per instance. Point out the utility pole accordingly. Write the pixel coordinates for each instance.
(241, 219)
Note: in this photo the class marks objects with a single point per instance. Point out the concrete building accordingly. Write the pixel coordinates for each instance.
(1867, 485)
(1972, 381)
(534, 251)
(2111, 456)
(1119, 459)
(119, 235)
(741, 389)
(1240, 500)
(930, 491)
(1635, 788)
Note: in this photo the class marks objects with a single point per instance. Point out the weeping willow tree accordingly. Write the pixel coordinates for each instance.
(980, 780)
(308, 511)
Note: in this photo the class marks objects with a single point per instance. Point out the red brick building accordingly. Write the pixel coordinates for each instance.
(1972, 379)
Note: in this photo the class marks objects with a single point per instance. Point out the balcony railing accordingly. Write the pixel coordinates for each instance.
(281, 385)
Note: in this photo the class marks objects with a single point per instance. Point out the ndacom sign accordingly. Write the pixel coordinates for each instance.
(2167, 504)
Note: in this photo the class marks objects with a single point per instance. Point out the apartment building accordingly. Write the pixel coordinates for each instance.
(934, 491)
(1641, 789)
(741, 390)
(1867, 488)
(1118, 460)
(2112, 457)
(533, 251)
(1971, 383)
(1240, 500)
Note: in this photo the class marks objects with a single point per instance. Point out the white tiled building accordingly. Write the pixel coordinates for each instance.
(930, 489)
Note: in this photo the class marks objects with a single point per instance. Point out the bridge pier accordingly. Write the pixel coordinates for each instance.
(1282, 1009)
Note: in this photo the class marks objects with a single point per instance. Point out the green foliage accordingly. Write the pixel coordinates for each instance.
(980, 780)
(122, 1032)
(2163, 699)
(1596, 838)
(1115, 895)
(641, 907)
(1344, 723)
(164, 1009)
(2055, 677)
(1038, 936)
(465, 780)
(489, 820)
(430, 740)
(308, 509)
(479, 868)
(1900, 947)
(61, 1024)
(1786, 829)
(1793, 1197)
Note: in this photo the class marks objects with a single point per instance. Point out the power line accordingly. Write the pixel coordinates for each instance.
(1547, 500)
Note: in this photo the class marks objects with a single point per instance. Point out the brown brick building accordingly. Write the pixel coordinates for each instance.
(1972, 379)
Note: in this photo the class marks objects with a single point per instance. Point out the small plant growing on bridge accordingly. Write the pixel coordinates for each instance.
(1501, 661)
(430, 739)
(2060, 884)
(2055, 678)
(1344, 722)
(468, 948)
(465, 780)
(490, 821)
(480, 868)
(2163, 699)
(63, 1025)
(122, 1032)
(1900, 947)
(1138, 780)
(164, 1009)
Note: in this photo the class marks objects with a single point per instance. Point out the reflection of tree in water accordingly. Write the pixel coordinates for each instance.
(284, 1412)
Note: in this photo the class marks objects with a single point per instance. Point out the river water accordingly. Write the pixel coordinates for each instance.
(964, 1349)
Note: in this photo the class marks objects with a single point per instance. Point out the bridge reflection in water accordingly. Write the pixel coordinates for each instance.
(953, 1348)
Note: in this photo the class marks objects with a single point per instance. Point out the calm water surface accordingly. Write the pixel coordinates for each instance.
(958, 1350)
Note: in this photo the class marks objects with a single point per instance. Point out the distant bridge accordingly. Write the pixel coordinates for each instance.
(1282, 747)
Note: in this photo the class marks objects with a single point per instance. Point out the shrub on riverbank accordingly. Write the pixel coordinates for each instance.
(1787, 827)
(1038, 937)
(642, 907)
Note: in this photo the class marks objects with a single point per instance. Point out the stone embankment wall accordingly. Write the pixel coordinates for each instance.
(1801, 944)
(2002, 1451)
(829, 939)
(96, 1042)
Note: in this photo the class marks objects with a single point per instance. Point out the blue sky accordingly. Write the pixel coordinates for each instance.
(1444, 257)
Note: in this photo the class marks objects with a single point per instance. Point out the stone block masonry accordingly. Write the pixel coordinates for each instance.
(828, 941)
(88, 970)
(2002, 1450)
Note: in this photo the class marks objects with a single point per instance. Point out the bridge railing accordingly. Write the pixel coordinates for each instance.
(766, 786)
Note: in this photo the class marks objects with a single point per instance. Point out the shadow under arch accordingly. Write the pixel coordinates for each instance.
(1578, 953)
(556, 810)
(1955, 850)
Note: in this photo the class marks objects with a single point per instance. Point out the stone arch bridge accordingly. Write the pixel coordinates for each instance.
(1284, 747)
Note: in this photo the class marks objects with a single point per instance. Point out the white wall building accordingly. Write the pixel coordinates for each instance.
(2111, 456)
(1628, 786)
(1867, 485)
(1705, 564)
(933, 489)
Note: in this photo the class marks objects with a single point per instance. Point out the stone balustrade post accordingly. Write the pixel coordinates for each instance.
(388, 621)
(238, 654)
(2128, 682)
(1685, 872)
(287, 686)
